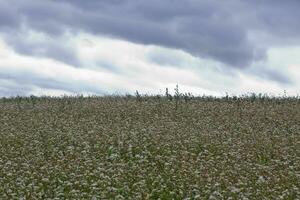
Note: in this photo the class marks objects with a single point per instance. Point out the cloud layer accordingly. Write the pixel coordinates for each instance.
(108, 69)
(220, 39)
(212, 29)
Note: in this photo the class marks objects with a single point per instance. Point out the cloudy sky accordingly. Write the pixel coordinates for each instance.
(55, 47)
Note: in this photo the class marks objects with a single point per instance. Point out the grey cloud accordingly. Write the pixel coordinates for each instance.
(10, 88)
(279, 16)
(26, 80)
(201, 28)
(213, 29)
(109, 66)
(268, 73)
(8, 17)
(48, 16)
(165, 59)
(19, 17)
(207, 34)
(48, 47)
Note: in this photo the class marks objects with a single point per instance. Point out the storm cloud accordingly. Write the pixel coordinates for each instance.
(208, 28)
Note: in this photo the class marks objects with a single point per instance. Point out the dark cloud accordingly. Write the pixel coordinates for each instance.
(280, 18)
(268, 73)
(8, 17)
(46, 47)
(213, 29)
(25, 81)
(10, 88)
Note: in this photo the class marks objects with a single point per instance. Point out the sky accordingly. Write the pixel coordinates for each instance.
(100, 47)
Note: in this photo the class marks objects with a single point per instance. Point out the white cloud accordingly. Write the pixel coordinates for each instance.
(109, 65)
(134, 61)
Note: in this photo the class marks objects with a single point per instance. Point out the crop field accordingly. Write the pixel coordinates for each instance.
(150, 147)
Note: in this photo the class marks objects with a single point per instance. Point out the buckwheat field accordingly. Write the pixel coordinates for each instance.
(150, 147)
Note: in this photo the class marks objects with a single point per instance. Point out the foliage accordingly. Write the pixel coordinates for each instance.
(150, 147)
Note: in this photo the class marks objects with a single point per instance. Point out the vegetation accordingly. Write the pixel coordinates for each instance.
(150, 147)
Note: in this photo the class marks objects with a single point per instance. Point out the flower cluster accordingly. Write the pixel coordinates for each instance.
(120, 148)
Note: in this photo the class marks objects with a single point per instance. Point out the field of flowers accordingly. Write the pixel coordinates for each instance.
(136, 147)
